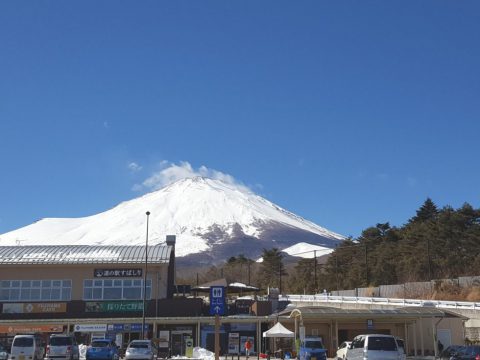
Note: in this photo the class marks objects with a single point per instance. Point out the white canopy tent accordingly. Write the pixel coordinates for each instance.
(278, 330)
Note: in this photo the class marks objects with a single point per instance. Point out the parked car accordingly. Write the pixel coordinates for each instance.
(471, 352)
(312, 348)
(450, 351)
(102, 349)
(3, 352)
(141, 350)
(401, 348)
(27, 347)
(374, 347)
(342, 350)
(62, 347)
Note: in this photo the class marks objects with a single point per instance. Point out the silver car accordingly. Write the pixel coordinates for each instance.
(62, 347)
(374, 347)
(141, 350)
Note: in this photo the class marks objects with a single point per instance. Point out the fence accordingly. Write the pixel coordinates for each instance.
(325, 298)
(410, 289)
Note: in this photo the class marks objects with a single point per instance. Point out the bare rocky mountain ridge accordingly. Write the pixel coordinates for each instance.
(212, 220)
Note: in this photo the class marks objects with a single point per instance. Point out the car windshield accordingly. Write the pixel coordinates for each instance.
(382, 343)
(315, 344)
(23, 342)
(60, 341)
(139, 345)
(100, 343)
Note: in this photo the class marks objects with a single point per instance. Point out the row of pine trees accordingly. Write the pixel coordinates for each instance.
(433, 244)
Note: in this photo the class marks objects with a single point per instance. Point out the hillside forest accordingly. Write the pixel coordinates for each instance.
(436, 243)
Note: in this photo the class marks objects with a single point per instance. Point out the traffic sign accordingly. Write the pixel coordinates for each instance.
(217, 300)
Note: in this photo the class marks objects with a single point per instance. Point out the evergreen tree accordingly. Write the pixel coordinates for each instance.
(302, 280)
(428, 211)
(235, 268)
(272, 268)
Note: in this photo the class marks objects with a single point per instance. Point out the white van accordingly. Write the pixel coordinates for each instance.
(27, 347)
(374, 347)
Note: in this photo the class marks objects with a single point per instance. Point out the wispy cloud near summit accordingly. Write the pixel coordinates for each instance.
(171, 172)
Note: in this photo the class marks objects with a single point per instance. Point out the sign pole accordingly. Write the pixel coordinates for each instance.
(217, 337)
(145, 280)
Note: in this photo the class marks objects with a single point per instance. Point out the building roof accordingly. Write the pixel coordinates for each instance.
(83, 254)
(235, 287)
(331, 312)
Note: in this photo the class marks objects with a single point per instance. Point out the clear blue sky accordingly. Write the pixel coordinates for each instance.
(348, 113)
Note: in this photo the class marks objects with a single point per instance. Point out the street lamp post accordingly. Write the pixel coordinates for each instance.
(145, 280)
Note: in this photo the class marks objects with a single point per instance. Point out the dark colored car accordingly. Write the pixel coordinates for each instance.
(102, 349)
(471, 352)
(450, 351)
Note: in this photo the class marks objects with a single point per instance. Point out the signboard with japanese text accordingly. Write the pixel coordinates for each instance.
(217, 300)
(100, 273)
(113, 306)
(30, 328)
(90, 328)
(135, 327)
(163, 338)
(34, 308)
(233, 343)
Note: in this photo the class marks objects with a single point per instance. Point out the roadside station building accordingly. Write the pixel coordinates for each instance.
(419, 327)
(72, 288)
(97, 291)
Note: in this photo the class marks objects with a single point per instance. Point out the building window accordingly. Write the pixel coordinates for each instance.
(115, 289)
(35, 290)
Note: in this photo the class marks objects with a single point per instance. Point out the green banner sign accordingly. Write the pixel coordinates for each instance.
(113, 306)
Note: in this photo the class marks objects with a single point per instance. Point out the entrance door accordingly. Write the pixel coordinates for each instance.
(177, 347)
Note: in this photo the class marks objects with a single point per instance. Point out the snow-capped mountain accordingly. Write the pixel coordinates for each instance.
(212, 220)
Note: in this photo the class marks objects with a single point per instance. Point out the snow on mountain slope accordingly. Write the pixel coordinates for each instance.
(202, 212)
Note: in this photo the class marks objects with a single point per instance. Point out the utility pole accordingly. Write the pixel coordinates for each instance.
(366, 266)
(428, 259)
(336, 269)
(280, 277)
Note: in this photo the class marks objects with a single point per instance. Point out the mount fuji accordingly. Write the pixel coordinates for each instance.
(213, 220)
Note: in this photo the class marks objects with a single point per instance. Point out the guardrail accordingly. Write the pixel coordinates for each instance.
(321, 298)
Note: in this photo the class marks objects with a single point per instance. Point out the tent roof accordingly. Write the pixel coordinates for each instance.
(278, 330)
(235, 287)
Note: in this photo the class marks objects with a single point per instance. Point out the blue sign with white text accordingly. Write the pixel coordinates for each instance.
(217, 300)
(117, 328)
